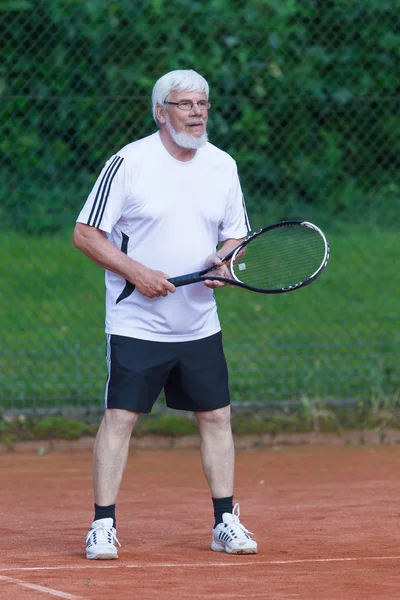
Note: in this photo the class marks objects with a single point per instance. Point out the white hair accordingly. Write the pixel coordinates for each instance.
(182, 80)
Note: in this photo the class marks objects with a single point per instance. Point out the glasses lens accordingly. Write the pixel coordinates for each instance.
(185, 105)
(188, 105)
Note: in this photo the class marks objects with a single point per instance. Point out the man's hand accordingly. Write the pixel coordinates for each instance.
(221, 270)
(152, 284)
(92, 242)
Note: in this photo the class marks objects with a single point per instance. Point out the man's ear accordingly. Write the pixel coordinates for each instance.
(160, 109)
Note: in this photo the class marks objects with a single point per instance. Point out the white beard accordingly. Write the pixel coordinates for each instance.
(185, 140)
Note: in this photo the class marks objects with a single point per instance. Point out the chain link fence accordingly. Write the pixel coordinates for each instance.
(305, 97)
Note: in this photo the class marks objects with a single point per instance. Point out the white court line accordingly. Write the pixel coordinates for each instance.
(196, 565)
(40, 588)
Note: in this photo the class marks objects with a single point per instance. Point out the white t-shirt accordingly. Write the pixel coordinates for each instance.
(168, 215)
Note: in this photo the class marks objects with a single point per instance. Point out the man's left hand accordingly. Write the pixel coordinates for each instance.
(221, 270)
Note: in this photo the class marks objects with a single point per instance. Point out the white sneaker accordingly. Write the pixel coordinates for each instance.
(231, 536)
(100, 540)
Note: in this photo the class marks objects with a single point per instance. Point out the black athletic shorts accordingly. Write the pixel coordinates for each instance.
(194, 374)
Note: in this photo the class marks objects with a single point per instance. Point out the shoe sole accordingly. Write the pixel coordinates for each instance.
(102, 557)
(222, 548)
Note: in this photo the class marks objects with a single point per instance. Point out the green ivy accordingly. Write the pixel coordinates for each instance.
(305, 95)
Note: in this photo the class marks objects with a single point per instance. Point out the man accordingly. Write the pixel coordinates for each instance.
(159, 209)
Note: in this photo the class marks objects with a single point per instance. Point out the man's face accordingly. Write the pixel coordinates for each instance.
(188, 129)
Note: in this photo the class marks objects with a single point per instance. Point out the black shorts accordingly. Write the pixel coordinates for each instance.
(193, 374)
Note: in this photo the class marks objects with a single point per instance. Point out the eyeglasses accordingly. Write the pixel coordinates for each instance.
(187, 105)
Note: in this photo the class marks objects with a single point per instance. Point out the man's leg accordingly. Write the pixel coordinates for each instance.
(217, 450)
(218, 458)
(109, 460)
(110, 454)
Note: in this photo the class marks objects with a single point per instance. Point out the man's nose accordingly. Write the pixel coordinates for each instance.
(196, 109)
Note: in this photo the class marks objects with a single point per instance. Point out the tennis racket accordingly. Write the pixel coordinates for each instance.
(280, 258)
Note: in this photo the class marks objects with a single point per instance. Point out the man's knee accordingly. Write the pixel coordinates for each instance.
(119, 419)
(220, 417)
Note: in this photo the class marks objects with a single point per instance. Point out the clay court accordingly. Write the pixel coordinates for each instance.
(326, 520)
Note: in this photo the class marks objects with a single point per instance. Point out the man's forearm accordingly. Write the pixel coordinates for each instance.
(229, 245)
(95, 245)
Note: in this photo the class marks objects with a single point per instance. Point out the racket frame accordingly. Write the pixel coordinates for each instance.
(232, 255)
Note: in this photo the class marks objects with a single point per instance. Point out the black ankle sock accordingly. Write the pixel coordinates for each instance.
(104, 512)
(221, 506)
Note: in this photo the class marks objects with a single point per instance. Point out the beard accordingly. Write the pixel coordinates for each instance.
(185, 140)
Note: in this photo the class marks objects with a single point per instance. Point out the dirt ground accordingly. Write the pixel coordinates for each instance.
(326, 518)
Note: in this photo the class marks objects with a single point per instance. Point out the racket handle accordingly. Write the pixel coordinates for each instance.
(176, 281)
(186, 279)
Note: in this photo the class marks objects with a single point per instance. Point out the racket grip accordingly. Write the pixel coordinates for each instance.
(186, 279)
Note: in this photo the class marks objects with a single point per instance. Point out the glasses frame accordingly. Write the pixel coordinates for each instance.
(178, 104)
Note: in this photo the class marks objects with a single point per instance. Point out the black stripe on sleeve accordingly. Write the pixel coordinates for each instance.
(103, 191)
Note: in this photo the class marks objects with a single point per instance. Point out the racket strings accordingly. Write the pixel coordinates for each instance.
(281, 258)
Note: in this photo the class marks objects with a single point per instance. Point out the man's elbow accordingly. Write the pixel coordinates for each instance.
(78, 236)
(86, 236)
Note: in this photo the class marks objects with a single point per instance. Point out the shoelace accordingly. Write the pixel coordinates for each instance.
(102, 534)
(236, 519)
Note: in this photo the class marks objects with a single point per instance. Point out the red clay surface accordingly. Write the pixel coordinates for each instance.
(326, 520)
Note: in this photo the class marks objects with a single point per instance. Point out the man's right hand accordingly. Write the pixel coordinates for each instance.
(153, 284)
(93, 242)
